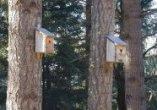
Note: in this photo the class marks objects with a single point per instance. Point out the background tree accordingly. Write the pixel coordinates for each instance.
(150, 60)
(148, 29)
(24, 77)
(134, 70)
(100, 72)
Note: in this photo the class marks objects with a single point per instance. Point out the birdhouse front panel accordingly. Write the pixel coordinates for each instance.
(120, 53)
(49, 45)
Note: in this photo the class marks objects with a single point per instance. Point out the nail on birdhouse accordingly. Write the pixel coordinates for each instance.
(116, 49)
(44, 41)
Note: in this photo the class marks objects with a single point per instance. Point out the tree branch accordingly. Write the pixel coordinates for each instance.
(147, 78)
(152, 47)
(148, 12)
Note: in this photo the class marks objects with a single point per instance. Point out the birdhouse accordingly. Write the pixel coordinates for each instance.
(44, 41)
(115, 50)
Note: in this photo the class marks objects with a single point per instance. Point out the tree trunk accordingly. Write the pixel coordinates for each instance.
(100, 72)
(88, 24)
(88, 36)
(24, 81)
(120, 84)
(134, 71)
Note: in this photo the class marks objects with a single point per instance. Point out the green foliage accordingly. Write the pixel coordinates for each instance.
(145, 3)
(149, 23)
(64, 75)
(3, 53)
(151, 81)
(3, 19)
(150, 64)
(151, 91)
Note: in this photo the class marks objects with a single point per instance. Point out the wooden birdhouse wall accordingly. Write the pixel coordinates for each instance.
(44, 41)
(110, 51)
(39, 42)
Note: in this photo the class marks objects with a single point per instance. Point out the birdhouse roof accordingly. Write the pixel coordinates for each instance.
(45, 32)
(116, 40)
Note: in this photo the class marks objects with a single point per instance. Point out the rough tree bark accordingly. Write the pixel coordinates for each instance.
(88, 24)
(88, 36)
(100, 72)
(120, 84)
(134, 71)
(24, 82)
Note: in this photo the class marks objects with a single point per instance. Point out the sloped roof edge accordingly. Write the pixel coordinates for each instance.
(116, 40)
(44, 31)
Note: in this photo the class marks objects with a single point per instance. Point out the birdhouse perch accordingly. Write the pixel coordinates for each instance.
(115, 50)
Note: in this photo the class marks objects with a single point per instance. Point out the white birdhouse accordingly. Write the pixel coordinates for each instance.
(44, 41)
(115, 50)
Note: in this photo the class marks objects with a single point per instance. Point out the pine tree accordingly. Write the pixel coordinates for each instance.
(65, 71)
(134, 70)
(3, 52)
(146, 29)
(100, 72)
(24, 77)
